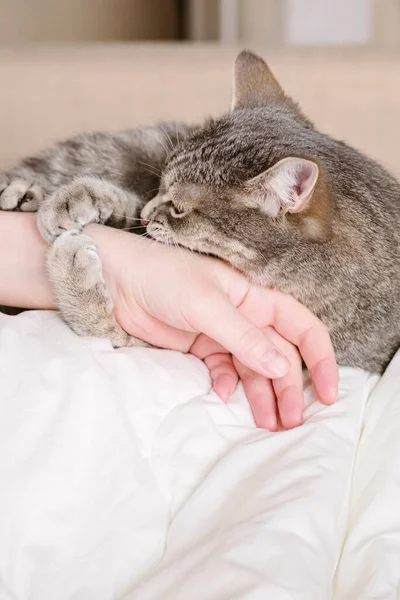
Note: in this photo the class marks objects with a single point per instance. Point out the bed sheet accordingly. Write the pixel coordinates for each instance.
(123, 476)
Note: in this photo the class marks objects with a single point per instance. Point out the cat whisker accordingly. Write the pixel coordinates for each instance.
(155, 173)
(153, 190)
(149, 165)
(168, 138)
(181, 250)
(177, 134)
(168, 147)
(164, 147)
(131, 228)
(122, 216)
(151, 168)
(150, 240)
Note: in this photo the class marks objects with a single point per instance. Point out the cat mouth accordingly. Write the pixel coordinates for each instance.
(157, 231)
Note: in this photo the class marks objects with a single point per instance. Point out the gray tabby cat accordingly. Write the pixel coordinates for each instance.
(92, 178)
(260, 188)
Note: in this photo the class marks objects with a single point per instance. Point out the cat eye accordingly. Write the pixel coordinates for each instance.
(176, 211)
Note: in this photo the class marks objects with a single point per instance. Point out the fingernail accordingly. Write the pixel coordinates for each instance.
(293, 423)
(331, 395)
(272, 426)
(222, 392)
(275, 364)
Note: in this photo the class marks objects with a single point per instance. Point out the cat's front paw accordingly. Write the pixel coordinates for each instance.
(75, 270)
(73, 261)
(19, 194)
(73, 206)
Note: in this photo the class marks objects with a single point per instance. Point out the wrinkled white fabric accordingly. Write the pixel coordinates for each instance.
(122, 476)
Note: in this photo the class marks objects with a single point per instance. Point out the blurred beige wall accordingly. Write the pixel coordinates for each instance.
(24, 21)
(202, 20)
(352, 94)
(261, 21)
(387, 23)
(266, 21)
(233, 21)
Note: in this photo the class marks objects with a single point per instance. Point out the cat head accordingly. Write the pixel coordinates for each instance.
(249, 183)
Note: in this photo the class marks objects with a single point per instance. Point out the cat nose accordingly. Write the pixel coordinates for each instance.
(144, 222)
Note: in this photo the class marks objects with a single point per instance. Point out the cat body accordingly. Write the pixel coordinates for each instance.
(343, 265)
(131, 160)
(259, 187)
(94, 177)
(293, 209)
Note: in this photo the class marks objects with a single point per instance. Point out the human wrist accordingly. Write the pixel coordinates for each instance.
(23, 278)
(24, 281)
(119, 251)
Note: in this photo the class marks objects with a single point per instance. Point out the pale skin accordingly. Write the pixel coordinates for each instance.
(183, 301)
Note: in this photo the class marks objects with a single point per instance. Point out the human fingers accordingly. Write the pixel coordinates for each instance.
(223, 374)
(261, 396)
(294, 322)
(218, 318)
(289, 388)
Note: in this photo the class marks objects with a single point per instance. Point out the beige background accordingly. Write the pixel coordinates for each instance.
(52, 92)
(263, 21)
(86, 20)
(258, 21)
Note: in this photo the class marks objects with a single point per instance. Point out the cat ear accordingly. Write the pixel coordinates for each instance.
(289, 186)
(299, 189)
(253, 82)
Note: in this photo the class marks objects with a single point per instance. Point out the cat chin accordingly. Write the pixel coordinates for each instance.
(159, 234)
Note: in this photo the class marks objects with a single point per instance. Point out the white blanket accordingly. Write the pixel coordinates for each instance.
(123, 476)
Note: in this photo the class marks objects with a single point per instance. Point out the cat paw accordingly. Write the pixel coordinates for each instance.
(73, 260)
(73, 206)
(19, 194)
(75, 270)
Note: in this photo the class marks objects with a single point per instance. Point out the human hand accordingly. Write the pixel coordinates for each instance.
(183, 301)
(158, 296)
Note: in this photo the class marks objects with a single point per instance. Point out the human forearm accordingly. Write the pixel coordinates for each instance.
(23, 278)
(24, 282)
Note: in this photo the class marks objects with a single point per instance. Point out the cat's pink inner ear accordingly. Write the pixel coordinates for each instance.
(293, 181)
(307, 177)
(288, 186)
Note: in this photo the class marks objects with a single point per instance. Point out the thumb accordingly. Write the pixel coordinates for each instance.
(220, 320)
